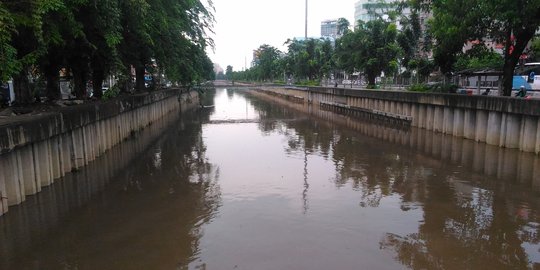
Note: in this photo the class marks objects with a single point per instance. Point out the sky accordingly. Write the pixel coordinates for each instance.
(243, 25)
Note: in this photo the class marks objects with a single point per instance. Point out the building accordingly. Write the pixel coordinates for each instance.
(367, 10)
(329, 29)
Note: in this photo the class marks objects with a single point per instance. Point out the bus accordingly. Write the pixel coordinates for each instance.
(527, 76)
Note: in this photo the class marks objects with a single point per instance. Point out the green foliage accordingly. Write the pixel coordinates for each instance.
(308, 83)
(507, 21)
(111, 93)
(535, 49)
(418, 88)
(8, 54)
(433, 88)
(92, 39)
(479, 57)
(229, 73)
(266, 64)
(343, 26)
(309, 59)
(371, 48)
(443, 88)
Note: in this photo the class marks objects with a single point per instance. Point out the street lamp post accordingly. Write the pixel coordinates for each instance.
(306, 19)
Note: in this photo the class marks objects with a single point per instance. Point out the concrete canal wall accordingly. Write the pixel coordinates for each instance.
(446, 150)
(501, 121)
(37, 150)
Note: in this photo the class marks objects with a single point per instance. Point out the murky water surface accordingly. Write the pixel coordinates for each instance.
(250, 184)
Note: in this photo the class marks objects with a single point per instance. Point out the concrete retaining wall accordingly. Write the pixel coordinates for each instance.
(483, 159)
(37, 150)
(502, 121)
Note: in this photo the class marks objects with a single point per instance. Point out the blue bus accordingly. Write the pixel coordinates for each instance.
(527, 76)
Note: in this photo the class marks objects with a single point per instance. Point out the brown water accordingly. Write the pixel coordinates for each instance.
(251, 184)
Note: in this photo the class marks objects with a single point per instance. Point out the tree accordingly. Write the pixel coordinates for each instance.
(535, 49)
(371, 48)
(229, 73)
(266, 65)
(513, 24)
(479, 56)
(343, 26)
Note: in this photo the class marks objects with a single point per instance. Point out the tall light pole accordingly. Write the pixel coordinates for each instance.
(306, 18)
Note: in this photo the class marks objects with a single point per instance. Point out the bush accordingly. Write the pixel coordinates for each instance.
(420, 87)
(443, 88)
(279, 82)
(111, 93)
(372, 86)
(434, 88)
(308, 83)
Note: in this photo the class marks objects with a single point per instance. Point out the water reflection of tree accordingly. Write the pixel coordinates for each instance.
(464, 233)
(464, 226)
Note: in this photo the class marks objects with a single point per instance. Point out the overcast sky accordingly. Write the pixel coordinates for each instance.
(243, 25)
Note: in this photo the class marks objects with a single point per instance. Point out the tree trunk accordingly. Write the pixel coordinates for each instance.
(98, 75)
(371, 79)
(522, 38)
(21, 87)
(79, 80)
(139, 78)
(53, 83)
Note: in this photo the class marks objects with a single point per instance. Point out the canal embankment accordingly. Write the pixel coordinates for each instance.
(37, 150)
(506, 122)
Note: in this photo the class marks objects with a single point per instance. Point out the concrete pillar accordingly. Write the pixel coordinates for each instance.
(3, 192)
(415, 113)
(42, 163)
(423, 117)
(26, 156)
(55, 157)
(459, 123)
(429, 117)
(512, 132)
(482, 119)
(406, 109)
(77, 148)
(469, 129)
(12, 177)
(67, 153)
(438, 119)
(448, 120)
(49, 160)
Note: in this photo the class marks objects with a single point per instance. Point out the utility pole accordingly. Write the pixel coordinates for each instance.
(306, 18)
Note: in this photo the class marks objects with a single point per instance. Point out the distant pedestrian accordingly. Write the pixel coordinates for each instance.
(335, 84)
(486, 93)
(522, 92)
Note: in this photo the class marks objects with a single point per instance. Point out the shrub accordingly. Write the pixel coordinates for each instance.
(308, 83)
(443, 88)
(111, 93)
(420, 87)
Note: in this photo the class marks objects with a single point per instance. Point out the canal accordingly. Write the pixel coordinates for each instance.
(248, 183)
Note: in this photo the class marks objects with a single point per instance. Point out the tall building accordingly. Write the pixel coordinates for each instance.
(329, 28)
